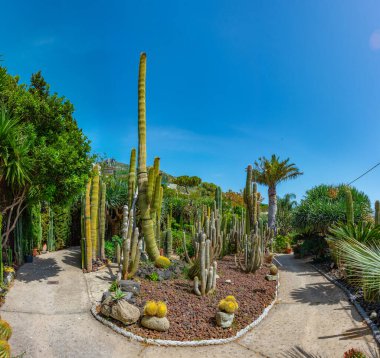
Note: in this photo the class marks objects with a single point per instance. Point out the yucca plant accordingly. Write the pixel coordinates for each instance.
(362, 263)
(364, 232)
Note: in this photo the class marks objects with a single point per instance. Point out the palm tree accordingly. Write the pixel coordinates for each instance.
(271, 172)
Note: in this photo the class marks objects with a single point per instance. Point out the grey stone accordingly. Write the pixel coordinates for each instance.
(106, 306)
(155, 323)
(125, 312)
(130, 286)
(105, 295)
(228, 281)
(271, 277)
(144, 257)
(373, 316)
(224, 319)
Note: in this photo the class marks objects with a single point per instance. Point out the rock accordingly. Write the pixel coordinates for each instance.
(144, 257)
(128, 296)
(130, 286)
(373, 316)
(271, 277)
(224, 319)
(155, 323)
(106, 306)
(105, 295)
(228, 281)
(125, 312)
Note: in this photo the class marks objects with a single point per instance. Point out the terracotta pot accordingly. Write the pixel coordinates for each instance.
(288, 250)
(44, 248)
(35, 252)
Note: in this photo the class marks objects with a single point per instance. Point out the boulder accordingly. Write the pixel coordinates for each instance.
(105, 295)
(125, 312)
(224, 319)
(155, 323)
(106, 306)
(130, 286)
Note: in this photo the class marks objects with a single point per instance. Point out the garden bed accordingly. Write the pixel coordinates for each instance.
(192, 317)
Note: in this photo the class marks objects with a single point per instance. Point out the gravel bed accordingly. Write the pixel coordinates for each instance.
(192, 317)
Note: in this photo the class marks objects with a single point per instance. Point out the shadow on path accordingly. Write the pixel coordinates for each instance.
(322, 293)
(299, 352)
(39, 270)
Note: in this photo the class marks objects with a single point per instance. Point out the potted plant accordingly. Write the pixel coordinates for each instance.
(288, 249)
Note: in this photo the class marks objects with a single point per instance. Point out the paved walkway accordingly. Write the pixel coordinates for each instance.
(48, 308)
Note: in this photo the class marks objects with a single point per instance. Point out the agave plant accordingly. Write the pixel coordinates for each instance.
(362, 264)
(364, 232)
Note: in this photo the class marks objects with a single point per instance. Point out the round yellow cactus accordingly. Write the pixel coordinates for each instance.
(162, 309)
(273, 270)
(230, 298)
(230, 307)
(5, 330)
(222, 304)
(5, 349)
(162, 262)
(151, 308)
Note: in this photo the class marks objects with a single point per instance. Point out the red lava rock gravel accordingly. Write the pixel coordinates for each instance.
(192, 317)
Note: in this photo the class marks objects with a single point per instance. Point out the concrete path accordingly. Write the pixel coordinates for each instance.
(48, 308)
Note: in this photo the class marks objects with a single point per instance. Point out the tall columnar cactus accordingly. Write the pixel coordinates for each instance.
(168, 237)
(87, 214)
(102, 220)
(253, 252)
(248, 199)
(218, 198)
(207, 274)
(132, 177)
(95, 211)
(148, 184)
(377, 212)
(349, 207)
(131, 244)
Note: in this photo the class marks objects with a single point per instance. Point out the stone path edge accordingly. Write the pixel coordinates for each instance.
(352, 298)
(206, 342)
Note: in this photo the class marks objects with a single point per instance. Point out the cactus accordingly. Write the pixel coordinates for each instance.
(162, 309)
(228, 304)
(273, 270)
(131, 243)
(349, 207)
(149, 184)
(5, 349)
(252, 251)
(150, 308)
(94, 211)
(162, 262)
(218, 198)
(207, 273)
(168, 236)
(377, 212)
(132, 177)
(5, 330)
(102, 220)
(88, 228)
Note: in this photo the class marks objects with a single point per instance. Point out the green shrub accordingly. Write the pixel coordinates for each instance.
(153, 276)
(110, 249)
(281, 242)
(325, 205)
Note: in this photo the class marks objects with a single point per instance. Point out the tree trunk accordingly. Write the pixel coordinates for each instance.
(272, 208)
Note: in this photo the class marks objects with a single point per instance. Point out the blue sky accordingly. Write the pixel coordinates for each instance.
(227, 81)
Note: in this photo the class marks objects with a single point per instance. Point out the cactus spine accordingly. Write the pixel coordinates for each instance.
(94, 211)
(148, 185)
(207, 270)
(377, 212)
(88, 228)
(349, 207)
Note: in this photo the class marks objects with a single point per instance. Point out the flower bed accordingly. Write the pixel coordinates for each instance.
(192, 317)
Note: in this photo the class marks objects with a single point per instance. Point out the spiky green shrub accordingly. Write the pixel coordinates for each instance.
(5, 330)
(362, 264)
(354, 353)
(365, 232)
(5, 349)
(319, 210)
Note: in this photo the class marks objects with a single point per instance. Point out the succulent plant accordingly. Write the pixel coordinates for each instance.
(273, 270)
(118, 295)
(377, 212)
(228, 305)
(349, 207)
(151, 308)
(162, 262)
(5, 349)
(162, 309)
(5, 330)
(354, 353)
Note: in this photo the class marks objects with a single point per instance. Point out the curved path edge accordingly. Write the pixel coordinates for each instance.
(352, 298)
(206, 342)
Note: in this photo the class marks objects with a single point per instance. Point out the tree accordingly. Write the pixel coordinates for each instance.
(271, 172)
(187, 181)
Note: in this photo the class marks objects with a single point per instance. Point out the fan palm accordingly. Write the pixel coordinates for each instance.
(271, 172)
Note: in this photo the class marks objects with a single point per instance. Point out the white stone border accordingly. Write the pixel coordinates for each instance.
(352, 298)
(206, 342)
